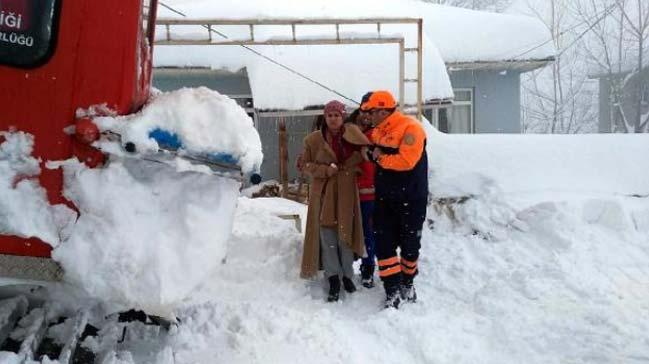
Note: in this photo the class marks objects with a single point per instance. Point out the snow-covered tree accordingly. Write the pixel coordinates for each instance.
(560, 98)
(603, 40)
(618, 48)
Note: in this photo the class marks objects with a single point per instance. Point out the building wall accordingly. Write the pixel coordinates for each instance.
(604, 105)
(636, 87)
(297, 127)
(229, 83)
(497, 99)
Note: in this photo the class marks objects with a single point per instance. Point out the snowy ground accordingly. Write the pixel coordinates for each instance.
(568, 285)
(546, 261)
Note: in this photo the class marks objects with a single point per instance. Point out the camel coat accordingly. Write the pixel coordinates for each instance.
(333, 201)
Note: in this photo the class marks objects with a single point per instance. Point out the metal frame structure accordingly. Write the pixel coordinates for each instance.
(210, 24)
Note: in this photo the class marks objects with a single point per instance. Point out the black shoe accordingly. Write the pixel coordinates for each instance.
(349, 285)
(392, 300)
(334, 289)
(367, 276)
(408, 293)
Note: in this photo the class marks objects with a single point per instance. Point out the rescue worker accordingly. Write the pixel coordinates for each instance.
(334, 230)
(365, 182)
(401, 185)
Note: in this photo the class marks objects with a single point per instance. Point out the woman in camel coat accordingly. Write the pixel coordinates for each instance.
(334, 230)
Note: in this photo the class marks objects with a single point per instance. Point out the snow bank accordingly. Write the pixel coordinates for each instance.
(147, 235)
(205, 121)
(566, 285)
(273, 87)
(549, 269)
(590, 163)
(24, 208)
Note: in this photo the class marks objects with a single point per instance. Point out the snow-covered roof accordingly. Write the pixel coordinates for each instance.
(451, 35)
(624, 67)
(460, 35)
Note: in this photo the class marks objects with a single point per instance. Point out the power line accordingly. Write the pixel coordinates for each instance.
(295, 72)
(602, 16)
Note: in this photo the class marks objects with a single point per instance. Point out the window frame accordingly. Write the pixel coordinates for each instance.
(435, 108)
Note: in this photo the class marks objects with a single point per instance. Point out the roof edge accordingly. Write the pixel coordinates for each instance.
(517, 65)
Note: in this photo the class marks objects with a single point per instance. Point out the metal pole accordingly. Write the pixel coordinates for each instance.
(283, 157)
(402, 74)
(286, 21)
(420, 58)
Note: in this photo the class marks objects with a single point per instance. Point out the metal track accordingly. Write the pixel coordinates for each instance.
(46, 332)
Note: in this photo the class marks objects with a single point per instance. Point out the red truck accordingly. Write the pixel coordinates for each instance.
(56, 57)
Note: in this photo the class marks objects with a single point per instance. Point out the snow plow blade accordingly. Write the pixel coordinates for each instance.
(26, 268)
(170, 147)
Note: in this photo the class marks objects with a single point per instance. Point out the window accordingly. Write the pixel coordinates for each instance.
(645, 95)
(456, 118)
(27, 31)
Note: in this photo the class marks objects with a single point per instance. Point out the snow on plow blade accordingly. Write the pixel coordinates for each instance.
(171, 146)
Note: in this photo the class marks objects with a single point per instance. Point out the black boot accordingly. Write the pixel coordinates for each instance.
(367, 276)
(392, 294)
(334, 289)
(392, 300)
(349, 285)
(408, 292)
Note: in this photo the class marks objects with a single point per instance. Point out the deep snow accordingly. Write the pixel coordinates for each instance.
(24, 208)
(147, 233)
(553, 270)
(205, 121)
(560, 287)
(544, 262)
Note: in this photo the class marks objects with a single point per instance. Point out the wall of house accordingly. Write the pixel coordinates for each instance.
(297, 127)
(497, 99)
(611, 120)
(636, 89)
(233, 84)
(604, 105)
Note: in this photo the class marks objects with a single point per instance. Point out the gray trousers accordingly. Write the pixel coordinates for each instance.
(337, 258)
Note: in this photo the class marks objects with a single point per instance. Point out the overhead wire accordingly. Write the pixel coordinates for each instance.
(295, 72)
(600, 17)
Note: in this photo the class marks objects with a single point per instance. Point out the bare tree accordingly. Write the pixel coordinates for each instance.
(617, 48)
(636, 23)
(559, 98)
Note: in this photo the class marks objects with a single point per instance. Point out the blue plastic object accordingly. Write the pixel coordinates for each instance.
(166, 139)
(171, 141)
(222, 158)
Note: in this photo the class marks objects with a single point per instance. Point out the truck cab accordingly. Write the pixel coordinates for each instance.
(58, 58)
